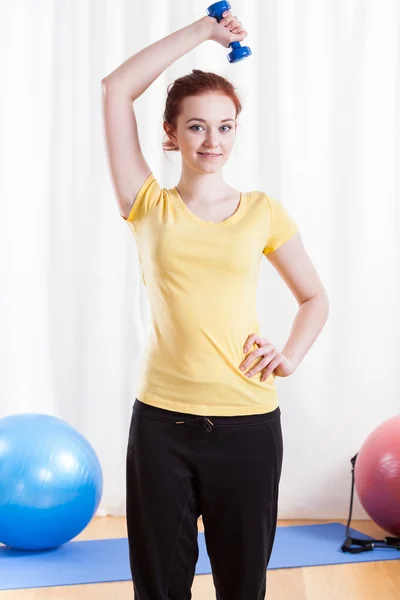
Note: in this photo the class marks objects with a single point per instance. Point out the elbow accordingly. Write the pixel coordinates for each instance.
(324, 303)
(323, 298)
(321, 301)
(320, 297)
(106, 81)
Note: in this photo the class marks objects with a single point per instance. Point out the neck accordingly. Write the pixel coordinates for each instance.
(202, 187)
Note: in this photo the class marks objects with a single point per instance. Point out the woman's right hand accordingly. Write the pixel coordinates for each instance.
(230, 29)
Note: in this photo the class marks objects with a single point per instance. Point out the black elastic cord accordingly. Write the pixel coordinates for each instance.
(365, 545)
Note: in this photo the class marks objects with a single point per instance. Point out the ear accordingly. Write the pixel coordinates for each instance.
(169, 133)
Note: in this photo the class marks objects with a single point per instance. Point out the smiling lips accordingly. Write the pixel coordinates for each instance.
(209, 154)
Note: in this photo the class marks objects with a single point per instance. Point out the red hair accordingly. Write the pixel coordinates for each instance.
(196, 83)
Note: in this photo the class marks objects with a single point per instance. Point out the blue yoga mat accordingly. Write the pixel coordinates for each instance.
(99, 561)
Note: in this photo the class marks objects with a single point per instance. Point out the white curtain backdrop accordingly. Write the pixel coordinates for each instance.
(320, 132)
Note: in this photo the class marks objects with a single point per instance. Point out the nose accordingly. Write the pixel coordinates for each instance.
(211, 140)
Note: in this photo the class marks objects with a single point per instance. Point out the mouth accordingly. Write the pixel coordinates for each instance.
(209, 154)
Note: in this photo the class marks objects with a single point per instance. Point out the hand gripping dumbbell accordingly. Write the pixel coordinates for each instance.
(238, 52)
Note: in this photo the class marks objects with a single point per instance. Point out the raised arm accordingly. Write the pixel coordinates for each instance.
(129, 169)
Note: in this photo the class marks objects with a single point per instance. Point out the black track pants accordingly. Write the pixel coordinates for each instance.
(181, 466)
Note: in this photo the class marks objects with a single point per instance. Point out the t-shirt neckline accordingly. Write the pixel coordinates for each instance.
(233, 218)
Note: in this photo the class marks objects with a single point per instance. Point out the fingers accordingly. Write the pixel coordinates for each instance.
(272, 357)
(271, 362)
(232, 23)
(271, 367)
(238, 31)
(254, 338)
(268, 350)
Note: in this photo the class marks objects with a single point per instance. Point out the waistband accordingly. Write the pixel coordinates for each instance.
(209, 421)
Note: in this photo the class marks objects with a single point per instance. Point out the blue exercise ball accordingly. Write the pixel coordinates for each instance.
(50, 481)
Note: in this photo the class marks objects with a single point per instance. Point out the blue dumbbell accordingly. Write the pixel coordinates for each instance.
(238, 52)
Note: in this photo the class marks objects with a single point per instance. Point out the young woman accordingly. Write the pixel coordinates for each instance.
(205, 435)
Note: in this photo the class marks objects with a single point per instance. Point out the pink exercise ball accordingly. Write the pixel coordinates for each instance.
(377, 475)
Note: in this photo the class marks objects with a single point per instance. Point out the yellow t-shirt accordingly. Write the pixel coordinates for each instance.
(201, 278)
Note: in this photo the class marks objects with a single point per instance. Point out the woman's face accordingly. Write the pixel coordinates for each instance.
(206, 124)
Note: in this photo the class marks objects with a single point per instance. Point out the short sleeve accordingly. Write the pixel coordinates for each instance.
(281, 225)
(147, 198)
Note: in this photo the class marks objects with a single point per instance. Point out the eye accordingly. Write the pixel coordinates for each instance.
(228, 126)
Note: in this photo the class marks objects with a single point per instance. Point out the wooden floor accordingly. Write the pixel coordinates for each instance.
(369, 581)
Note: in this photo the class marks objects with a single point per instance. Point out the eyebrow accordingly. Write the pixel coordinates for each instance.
(204, 121)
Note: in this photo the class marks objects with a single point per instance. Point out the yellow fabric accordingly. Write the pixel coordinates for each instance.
(201, 278)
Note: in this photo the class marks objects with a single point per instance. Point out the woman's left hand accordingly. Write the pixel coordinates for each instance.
(273, 361)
